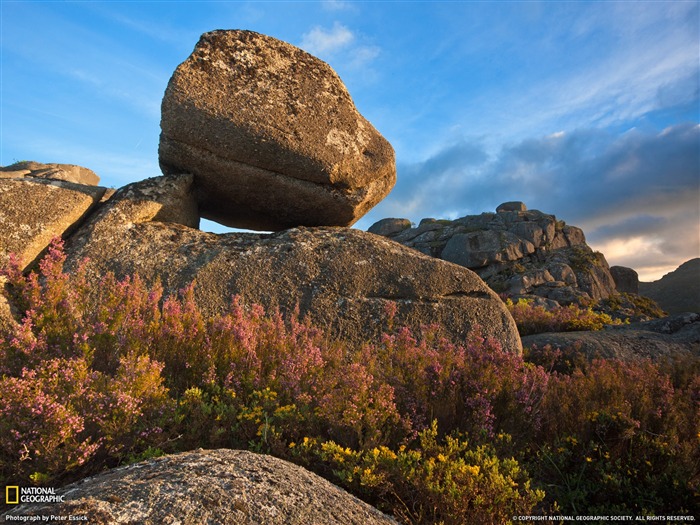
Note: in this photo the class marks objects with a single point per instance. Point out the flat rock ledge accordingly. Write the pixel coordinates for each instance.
(659, 339)
(208, 487)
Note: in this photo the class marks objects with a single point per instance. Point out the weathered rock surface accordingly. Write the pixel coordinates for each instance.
(518, 252)
(65, 172)
(223, 487)
(271, 135)
(677, 291)
(33, 211)
(626, 279)
(341, 278)
(656, 339)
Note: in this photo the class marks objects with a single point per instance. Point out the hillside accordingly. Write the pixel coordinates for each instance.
(678, 291)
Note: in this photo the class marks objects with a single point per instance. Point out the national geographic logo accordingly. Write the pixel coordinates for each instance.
(14, 495)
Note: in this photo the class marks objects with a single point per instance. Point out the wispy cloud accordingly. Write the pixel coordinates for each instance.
(320, 41)
(336, 5)
(342, 48)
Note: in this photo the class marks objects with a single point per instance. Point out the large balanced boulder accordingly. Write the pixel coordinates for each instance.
(271, 135)
(341, 278)
(226, 487)
(35, 210)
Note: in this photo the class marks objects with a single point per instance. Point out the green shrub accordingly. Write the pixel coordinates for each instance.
(443, 480)
(536, 319)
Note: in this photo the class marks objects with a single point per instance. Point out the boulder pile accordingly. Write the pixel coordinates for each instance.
(257, 134)
(518, 252)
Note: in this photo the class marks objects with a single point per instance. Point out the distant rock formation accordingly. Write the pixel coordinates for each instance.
(517, 252)
(271, 135)
(341, 278)
(223, 487)
(677, 291)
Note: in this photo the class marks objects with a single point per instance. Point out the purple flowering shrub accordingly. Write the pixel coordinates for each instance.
(425, 429)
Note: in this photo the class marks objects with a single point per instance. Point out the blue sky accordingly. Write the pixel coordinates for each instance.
(587, 110)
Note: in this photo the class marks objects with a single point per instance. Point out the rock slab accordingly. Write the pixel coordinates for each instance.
(341, 278)
(271, 135)
(226, 487)
(665, 338)
(53, 171)
(34, 210)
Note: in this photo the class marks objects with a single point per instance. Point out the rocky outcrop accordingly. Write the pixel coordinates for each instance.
(35, 210)
(626, 279)
(341, 278)
(517, 252)
(64, 172)
(656, 339)
(271, 135)
(677, 291)
(225, 487)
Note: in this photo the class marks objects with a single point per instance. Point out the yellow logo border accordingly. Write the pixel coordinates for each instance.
(7, 494)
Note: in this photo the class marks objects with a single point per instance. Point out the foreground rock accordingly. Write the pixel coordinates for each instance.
(64, 172)
(677, 291)
(271, 135)
(519, 252)
(216, 486)
(665, 338)
(33, 211)
(341, 278)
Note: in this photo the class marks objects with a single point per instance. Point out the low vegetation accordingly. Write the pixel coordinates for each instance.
(536, 319)
(426, 430)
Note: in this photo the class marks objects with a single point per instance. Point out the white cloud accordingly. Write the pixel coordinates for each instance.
(321, 41)
(362, 56)
(336, 5)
